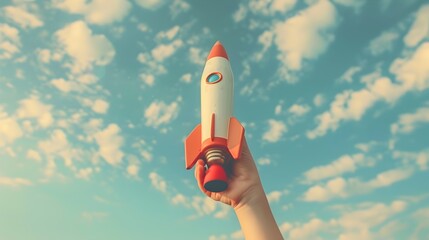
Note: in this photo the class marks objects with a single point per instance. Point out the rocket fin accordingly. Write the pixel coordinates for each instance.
(193, 147)
(235, 137)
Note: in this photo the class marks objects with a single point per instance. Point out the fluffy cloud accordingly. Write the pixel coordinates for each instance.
(58, 146)
(355, 4)
(96, 11)
(420, 28)
(383, 43)
(412, 73)
(159, 113)
(274, 196)
(263, 8)
(319, 100)
(343, 188)
(340, 166)
(164, 51)
(14, 182)
(9, 130)
(409, 121)
(22, 17)
(275, 131)
(109, 142)
(9, 41)
(85, 48)
(158, 182)
(100, 106)
(348, 75)
(305, 36)
(168, 34)
(299, 110)
(32, 108)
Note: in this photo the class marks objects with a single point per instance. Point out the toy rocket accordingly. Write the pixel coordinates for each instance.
(219, 137)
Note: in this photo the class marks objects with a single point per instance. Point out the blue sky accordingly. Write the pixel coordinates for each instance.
(96, 100)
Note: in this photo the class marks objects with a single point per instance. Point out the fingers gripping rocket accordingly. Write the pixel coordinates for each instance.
(219, 137)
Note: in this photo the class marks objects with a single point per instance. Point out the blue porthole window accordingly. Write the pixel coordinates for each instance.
(213, 78)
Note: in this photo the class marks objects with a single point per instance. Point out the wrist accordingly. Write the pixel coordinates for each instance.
(253, 197)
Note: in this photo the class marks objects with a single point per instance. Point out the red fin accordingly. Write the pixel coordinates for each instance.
(235, 137)
(193, 147)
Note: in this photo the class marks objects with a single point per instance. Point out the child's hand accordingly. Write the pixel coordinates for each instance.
(243, 183)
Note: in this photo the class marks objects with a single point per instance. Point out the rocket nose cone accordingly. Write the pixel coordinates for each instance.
(217, 51)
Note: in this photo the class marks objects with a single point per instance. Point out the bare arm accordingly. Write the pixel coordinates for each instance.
(247, 197)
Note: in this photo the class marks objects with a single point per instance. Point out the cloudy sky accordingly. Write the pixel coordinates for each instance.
(97, 97)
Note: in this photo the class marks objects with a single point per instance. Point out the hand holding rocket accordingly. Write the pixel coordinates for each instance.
(219, 137)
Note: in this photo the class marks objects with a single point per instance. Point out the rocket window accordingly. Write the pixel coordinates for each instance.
(213, 78)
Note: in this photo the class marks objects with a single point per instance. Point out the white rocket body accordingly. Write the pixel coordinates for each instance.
(216, 98)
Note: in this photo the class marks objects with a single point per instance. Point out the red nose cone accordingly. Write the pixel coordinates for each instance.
(217, 51)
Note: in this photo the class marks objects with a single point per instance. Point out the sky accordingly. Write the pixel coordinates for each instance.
(97, 97)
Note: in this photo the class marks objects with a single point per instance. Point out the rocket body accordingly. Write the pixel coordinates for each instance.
(219, 137)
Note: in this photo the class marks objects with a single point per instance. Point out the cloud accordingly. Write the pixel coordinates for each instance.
(22, 17)
(10, 41)
(383, 43)
(10, 130)
(85, 173)
(66, 85)
(110, 142)
(275, 131)
(299, 110)
(340, 166)
(305, 36)
(355, 4)
(197, 56)
(263, 8)
(319, 100)
(91, 215)
(58, 146)
(96, 11)
(409, 121)
(32, 108)
(186, 78)
(32, 154)
(420, 158)
(148, 79)
(159, 113)
(348, 75)
(240, 14)
(168, 34)
(133, 167)
(14, 182)
(344, 188)
(274, 196)
(264, 161)
(178, 7)
(420, 28)
(158, 182)
(164, 51)
(150, 4)
(85, 48)
(100, 106)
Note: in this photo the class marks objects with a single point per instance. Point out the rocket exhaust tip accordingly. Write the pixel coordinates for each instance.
(218, 51)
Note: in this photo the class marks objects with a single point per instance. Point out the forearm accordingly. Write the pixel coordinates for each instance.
(256, 219)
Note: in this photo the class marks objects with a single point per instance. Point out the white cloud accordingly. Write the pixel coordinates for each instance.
(420, 28)
(90, 216)
(150, 4)
(133, 167)
(197, 56)
(9, 41)
(164, 51)
(186, 78)
(159, 113)
(409, 121)
(65, 85)
(32, 108)
(383, 43)
(22, 17)
(299, 110)
(58, 146)
(34, 155)
(319, 100)
(148, 79)
(264, 161)
(274, 196)
(96, 11)
(240, 14)
(178, 7)
(84, 47)
(168, 34)
(100, 106)
(421, 159)
(110, 142)
(158, 182)
(264, 8)
(348, 75)
(305, 36)
(14, 182)
(340, 166)
(85, 173)
(180, 199)
(9, 129)
(309, 230)
(275, 131)
(343, 188)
